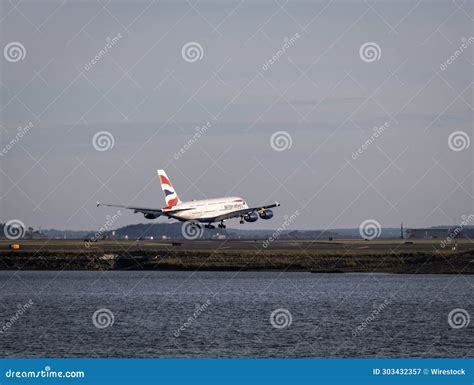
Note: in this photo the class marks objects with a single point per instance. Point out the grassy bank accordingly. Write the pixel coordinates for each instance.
(423, 257)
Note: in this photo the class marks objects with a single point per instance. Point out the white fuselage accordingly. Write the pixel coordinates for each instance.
(207, 209)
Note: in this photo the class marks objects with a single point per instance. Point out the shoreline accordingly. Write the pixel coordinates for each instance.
(292, 256)
(201, 261)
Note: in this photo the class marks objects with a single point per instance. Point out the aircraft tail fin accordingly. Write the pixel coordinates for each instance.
(171, 197)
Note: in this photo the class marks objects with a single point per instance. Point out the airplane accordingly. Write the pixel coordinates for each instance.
(206, 211)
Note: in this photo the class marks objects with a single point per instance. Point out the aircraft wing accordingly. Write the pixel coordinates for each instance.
(238, 213)
(145, 210)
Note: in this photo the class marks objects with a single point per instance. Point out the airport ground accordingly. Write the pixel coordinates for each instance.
(337, 256)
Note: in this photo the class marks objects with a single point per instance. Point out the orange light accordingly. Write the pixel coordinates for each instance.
(15, 246)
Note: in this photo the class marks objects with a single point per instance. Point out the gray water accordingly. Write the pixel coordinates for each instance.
(149, 307)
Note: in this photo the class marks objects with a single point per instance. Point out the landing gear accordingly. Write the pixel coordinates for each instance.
(209, 226)
(242, 220)
(221, 225)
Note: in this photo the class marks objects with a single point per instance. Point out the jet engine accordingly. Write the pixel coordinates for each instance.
(251, 217)
(266, 214)
(150, 216)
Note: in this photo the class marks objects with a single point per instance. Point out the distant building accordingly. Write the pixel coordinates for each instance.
(441, 232)
(427, 233)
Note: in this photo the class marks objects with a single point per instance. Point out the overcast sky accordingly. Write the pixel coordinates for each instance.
(323, 91)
